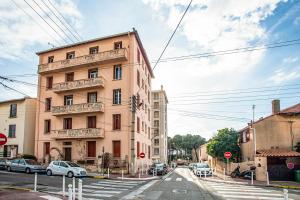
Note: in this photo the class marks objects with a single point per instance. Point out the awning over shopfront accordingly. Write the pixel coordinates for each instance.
(277, 153)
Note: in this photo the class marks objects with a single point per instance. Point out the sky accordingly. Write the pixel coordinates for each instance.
(205, 94)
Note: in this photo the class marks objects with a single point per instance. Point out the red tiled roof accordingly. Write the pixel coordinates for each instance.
(291, 110)
(277, 153)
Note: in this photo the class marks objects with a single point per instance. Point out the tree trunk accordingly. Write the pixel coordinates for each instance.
(196, 154)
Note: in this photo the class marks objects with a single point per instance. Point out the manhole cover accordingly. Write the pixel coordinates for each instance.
(180, 191)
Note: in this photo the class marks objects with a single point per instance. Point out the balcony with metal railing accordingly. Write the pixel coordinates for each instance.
(78, 84)
(78, 108)
(115, 55)
(85, 133)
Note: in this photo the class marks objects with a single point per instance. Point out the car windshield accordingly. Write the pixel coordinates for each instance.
(32, 162)
(71, 164)
(201, 165)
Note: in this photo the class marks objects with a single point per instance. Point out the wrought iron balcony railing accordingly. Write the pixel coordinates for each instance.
(78, 108)
(78, 84)
(78, 133)
(101, 57)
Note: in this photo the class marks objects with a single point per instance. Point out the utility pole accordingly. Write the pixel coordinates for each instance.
(292, 134)
(254, 131)
(133, 111)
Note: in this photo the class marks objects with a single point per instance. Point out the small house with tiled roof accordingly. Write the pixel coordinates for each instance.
(270, 142)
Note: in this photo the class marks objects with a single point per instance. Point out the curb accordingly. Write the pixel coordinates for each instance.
(15, 188)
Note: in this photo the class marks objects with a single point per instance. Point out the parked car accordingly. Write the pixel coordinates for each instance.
(25, 165)
(191, 166)
(65, 168)
(158, 169)
(202, 169)
(2, 163)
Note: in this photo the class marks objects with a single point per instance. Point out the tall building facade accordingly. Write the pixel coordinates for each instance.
(17, 122)
(160, 126)
(84, 101)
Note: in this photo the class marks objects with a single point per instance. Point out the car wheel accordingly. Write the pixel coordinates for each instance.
(70, 174)
(49, 172)
(8, 169)
(27, 170)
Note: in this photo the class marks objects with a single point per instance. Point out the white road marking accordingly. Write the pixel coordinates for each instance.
(178, 179)
(250, 193)
(50, 197)
(168, 179)
(101, 187)
(96, 195)
(113, 185)
(190, 179)
(133, 194)
(251, 197)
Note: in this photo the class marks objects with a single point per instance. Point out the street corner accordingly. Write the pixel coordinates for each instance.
(23, 194)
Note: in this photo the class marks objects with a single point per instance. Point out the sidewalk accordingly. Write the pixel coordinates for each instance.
(137, 177)
(217, 177)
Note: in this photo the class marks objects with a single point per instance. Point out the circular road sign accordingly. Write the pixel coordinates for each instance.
(142, 155)
(290, 165)
(227, 155)
(3, 139)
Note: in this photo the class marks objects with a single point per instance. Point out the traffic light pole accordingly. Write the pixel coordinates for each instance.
(133, 110)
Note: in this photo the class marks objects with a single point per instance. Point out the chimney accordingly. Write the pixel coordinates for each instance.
(161, 87)
(275, 106)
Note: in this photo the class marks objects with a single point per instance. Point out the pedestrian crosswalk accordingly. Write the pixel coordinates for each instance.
(178, 179)
(102, 189)
(231, 192)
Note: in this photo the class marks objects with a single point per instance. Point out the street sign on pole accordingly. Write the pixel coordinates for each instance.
(3, 139)
(290, 165)
(142, 155)
(227, 154)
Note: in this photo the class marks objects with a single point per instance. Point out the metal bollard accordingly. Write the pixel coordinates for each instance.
(35, 181)
(251, 178)
(79, 189)
(285, 194)
(200, 173)
(74, 187)
(64, 186)
(153, 172)
(70, 192)
(268, 181)
(122, 174)
(204, 173)
(107, 172)
(224, 173)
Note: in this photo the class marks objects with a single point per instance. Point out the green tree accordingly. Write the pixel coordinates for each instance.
(225, 140)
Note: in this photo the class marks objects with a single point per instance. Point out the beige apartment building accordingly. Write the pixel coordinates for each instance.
(160, 126)
(85, 102)
(17, 122)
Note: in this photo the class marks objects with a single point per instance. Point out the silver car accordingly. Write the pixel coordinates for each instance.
(25, 165)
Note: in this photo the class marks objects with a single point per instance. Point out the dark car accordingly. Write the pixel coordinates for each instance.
(158, 169)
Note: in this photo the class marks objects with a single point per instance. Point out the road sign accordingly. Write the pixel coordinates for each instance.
(227, 155)
(142, 155)
(3, 139)
(290, 165)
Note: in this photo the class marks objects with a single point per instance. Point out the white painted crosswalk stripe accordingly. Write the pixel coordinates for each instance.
(102, 189)
(234, 192)
(178, 179)
(168, 179)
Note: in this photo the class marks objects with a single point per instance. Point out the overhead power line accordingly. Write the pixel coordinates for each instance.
(62, 30)
(10, 88)
(50, 9)
(162, 53)
(35, 21)
(62, 37)
(71, 27)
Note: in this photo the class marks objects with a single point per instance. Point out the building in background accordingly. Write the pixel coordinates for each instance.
(84, 107)
(159, 126)
(17, 122)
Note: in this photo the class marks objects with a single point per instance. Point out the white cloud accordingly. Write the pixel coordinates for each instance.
(210, 25)
(19, 33)
(280, 76)
(290, 60)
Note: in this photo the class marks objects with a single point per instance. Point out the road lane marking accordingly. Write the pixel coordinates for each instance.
(96, 195)
(133, 194)
(102, 187)
(168, 179)
(112, 185)
(178, 179)
(251, 197)
(250, 193)
(190, 179)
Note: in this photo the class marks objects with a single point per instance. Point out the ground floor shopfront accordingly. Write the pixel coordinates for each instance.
(9, 151)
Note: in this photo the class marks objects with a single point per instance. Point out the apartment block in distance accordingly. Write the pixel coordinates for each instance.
(84, 107)
(17, 122)
(160, 126)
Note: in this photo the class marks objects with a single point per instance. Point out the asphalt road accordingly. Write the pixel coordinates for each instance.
(52, 185)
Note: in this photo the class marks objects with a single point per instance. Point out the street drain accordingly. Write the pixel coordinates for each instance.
(180, 191)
